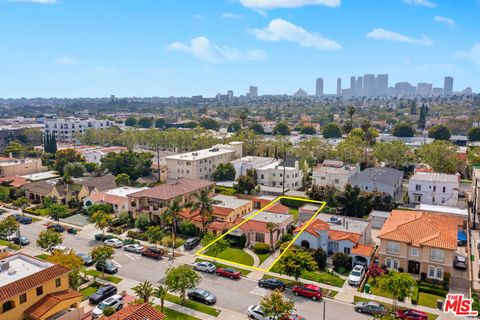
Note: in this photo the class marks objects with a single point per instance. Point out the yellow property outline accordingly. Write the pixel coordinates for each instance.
(322, 205)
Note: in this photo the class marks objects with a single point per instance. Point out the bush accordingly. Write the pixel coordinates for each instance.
(446, 279)
(115, 230)
(423, 276)
(237, 242)
(400, 269)
(187, 228)
(340, 259)
(167, 241)
(261, 247)
(108, 311)
(225, 191)
(286, 237)
(432, 290)
(137, 235)
(415, 296)
(14, 246)
(320, 257)
(130, 241)
(142, 222)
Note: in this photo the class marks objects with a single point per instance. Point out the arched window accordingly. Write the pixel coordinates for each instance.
(396, 264)
(388, 263)
(439, 273)
(305, 244)
(431, 272)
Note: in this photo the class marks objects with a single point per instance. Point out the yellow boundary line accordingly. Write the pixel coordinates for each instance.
(322, 205)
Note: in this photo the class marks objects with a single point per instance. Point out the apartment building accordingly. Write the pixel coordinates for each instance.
(434, 188)
(201, 164)
(334, 173)
(66, 129)
(20, 167)
(36, 290)
(382, 179)
(244, 164)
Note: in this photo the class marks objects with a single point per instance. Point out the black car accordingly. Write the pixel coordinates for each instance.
(87, 260)
(107, 267)
(202, 296)
(23, 219)
(102, 293)
(23, 241)
(56, 228)
(271, 283)
(191, 243)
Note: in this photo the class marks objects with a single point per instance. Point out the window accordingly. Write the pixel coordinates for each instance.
(259, 237)
(437, 255)
(414, 252)
(431, 272)
(434, 188)
(39, 291)
(444, 189)
(418, 187)
(393, 247)
(346, 250)
(9, 305)
(58, 282)
(433, 199)
(23, 298)
(388, 263)
(396, 264)
(439, 273)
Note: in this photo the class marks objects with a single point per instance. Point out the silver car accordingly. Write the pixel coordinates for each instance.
(205, 266)
(135, 247)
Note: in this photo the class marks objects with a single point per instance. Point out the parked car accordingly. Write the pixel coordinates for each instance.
(356, 275)
(23, 219)
(102, 293)
(411, 314)
(191, 243)
(371, 307)
(271, 283)
(108, 267)
(153, 252)
(308, 290)
(115, 301)
(228, 273)
(116, 243)
(59, 247)
(134, 247)
(87, 260)
(56, 227)
(460, 262)
(202, 296)
(255, 312)
(23, 241)
(204, 266)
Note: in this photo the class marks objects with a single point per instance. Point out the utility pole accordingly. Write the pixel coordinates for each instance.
(283, 177)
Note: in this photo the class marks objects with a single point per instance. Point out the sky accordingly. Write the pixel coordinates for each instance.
(139, 48)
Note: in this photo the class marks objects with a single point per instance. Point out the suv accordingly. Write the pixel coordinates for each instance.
(22, 240)
(56, 227)
(102, 293)
(308, 290)
(356, 275)
(115, 301)
(108, 267)
(153, 252)
(460, 262)
(191, 243)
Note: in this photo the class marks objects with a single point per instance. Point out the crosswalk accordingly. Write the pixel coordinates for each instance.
(259, 291)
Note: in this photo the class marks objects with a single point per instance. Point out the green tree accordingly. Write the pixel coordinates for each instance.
(70, 260)
(171, 214)
(245, 184)
(320, 257)
(395, 154)
(187, 228)
(474, 134)
(353, 204)
(4, 193)
(275, 306)
(108, 311)
(160, 293)
(154, 234)
(244, 116)
(102, 220)
(48, 239)
(131, 122)
(91, 167)
(135, 164)
(399, 284)
(8, 226)
(257, 128)
(144, 291)
(440, 155)
(281, 129)
(204, 203)
(181, 279)
(294, 262)
(328, 193)
(351, 111)
(331, 130)
(423, 117)
(160, 123)
(17, 150)
(271, 227)
(74, 169)
(50, 143)
(65, 156)
(215, 248)
(347, 127)
(142, 222)
(439, 132)
(403, 130)
(340, 260)
(124, 218)
(224, 172)
(145, 122)
(21, 202)
(234, 127)
(308, 130)
(122, 180)
(350, 150)
(101, 255)
(104, 207)
(57, 211)
(209, 124)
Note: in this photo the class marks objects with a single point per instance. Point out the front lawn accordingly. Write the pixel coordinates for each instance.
(244, 272)
(428, 299)
(377, 291)
(263, 256)
(324, 277)
(390, 306)
(234, 255)
(294, 213)
(171, 314)
(193, 305)
(98, 274)
(88, 291)
(43, 256)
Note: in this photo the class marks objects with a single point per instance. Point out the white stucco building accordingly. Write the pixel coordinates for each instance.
(434, 188)
(272, 175)
(335, 173)
(244, 164)
(66, 128)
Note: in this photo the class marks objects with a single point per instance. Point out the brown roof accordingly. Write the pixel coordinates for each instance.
(32, 281)
(173, 190)
(419, 228)
(103, 183)
(50, 301)
(141, 311)
(221, 211)
(107, 198)
(277, 208)
(14, 181)
(39, 187)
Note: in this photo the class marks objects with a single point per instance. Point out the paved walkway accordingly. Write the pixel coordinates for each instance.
(270, 260)
(256, 260)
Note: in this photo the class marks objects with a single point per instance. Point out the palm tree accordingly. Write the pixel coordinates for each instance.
(243, 117)
(144, 291)
(160, 292)
(171, 214)
(271, 227)
(351, 111)
(205, 204)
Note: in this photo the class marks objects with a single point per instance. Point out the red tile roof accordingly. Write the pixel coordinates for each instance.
(363, 250)
(277, 208)
(221, 211)
(14, 181)
(171, 191)
(188, 214)
(107, 198)
(50, 301)
(336, 235)
(141, 311)
(312, 228)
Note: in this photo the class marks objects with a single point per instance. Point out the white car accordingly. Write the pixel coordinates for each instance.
(255, 312)
(113, 243)
(205, 266)
(115, 301)
(136, 248)
(59, 248)
(356, 275)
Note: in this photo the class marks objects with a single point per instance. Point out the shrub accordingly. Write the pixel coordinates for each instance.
(320, 257)
(340, 259)
(423, 276)
(137, 235)
(283, 246)
(142, 222)
(167, 241)
(261, 247)
(130, 241)
(414, 297)
(400, 269)
(237, 242)
(286, 237)
(446, 279)
(187, 228)
(115, 230)
(108, 311)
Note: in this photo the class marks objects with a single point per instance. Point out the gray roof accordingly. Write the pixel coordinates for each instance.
(380, 214)
(383, 175)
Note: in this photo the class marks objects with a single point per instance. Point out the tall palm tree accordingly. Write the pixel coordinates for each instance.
(170, 215)
(351, 111)
(144, 291)
(205, 203)
(243, 117)
(271, 227)
(160, 292)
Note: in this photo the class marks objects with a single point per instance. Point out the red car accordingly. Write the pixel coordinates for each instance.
(411, 314)
(229, 273)
(308, 290)
(152, 252)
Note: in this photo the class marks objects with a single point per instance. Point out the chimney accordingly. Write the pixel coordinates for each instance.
(4, 266)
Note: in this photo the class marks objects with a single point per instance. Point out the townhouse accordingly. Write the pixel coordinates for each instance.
(434, 188)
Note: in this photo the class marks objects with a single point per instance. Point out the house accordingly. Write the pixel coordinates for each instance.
(20, 167)
(35, 289)
(434, 188)
(95, 154)
(155, 201)
(117, 198)
(419, 242)
(137, 311)
(97, 184)
(334, 173)
(382, 179)
(334, 234)
(244, 164)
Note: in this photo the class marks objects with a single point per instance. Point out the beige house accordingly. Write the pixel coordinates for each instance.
(20, 167)
(419, 242)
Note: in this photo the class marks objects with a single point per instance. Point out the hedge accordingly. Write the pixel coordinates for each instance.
(434, 291)
(31, 211)
(261, 247)
(137, 235)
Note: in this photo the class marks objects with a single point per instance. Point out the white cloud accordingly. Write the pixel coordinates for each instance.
(67, 61)
(447, 21)
(202, 49)
(382, 34)
(229, 15)
(36, 1)
(274, 4)
(423, 3)
(198, 17)
(473, 54)
(281, 30)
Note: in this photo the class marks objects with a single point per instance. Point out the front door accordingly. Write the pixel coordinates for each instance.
(413, 267)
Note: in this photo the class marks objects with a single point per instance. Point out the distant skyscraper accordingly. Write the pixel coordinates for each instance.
(359, 88)
(437, 91)
(253, 91)
(369, 85)
(381, 84)
(339, 87)
(353, 85)
(448, 86)
(319, 87)
(230, 95)
(424, 89)
(404, 89)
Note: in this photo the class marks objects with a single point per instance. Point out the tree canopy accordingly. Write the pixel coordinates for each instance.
(135, 164)
(403, 129)
(224, 172)
(181, 279)
(308, 130)
(439, 132)
(294, 262)
(474, 134)
(282, 129)
(440, 155)
(66, 156)
(331, 130)
(257, 128)
(209, 124)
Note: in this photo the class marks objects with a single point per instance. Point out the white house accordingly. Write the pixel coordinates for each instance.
(334, 173)
(434, 188)
(382, 179)
(65, 129)
(272, 175)
(95, 154)
(117, 198)
(250, 162)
